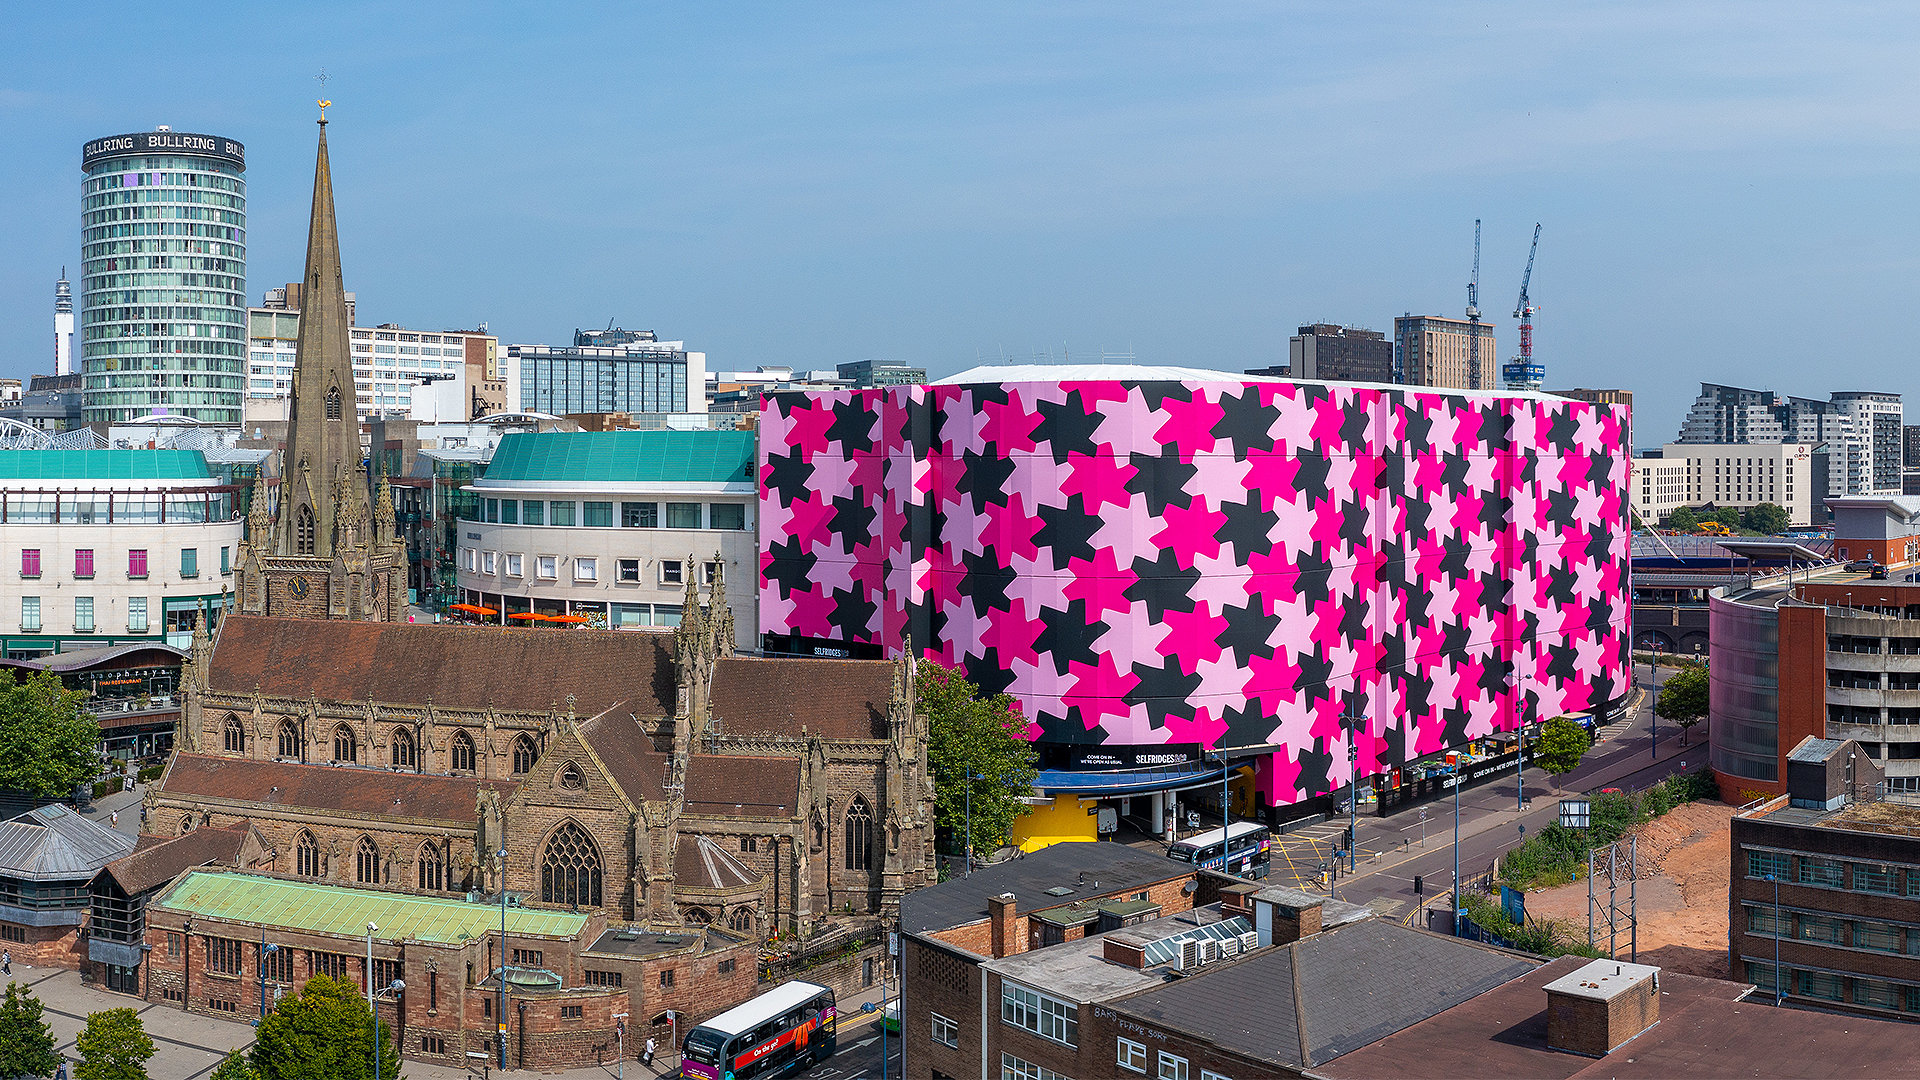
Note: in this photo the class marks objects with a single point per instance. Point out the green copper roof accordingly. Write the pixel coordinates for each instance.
(699, 457)
(103, 465)
(336, 909)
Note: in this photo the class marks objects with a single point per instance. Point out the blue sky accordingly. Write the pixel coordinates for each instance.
(1727, 189)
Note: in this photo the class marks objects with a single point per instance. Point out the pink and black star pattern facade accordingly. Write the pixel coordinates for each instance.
(1201, 563)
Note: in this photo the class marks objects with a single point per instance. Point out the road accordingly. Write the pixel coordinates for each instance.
(858, 1056)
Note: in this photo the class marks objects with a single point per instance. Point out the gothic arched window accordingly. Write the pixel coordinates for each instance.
(742, 920)
(859, 834)
(433, 872)
(462, 752)
(290, 740)
(235, 736)
(570, 868)
(698, 916)
(571, 779)
(333, 403)
(402, 748)
(303, 531)
(306, 856)
(366, 862)
(524, 754)
(345, 749)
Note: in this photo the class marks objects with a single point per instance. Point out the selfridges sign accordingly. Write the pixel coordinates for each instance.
(163, 142)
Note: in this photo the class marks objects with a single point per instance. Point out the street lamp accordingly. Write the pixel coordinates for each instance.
(967, 842)
(370, 929)
(1456, 847)
(264, 950)
(501, 1016)
(620, 1037)
(1779, 989)
(393, 990)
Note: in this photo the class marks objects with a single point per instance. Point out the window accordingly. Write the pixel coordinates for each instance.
(217, 1005)
(726, 516)
(640, 515)
(529, 958)
(493, 511)
(223, 956)
(1876, 995)
(596, 514)
(29, 614)
(487, 563)
(83, 614)
(602, 978)
(83, 562)
(532, 512)
(462, 754)
(546, 567)
(513, 565)
(571, 779)
(433, 1044)
(1013, 1068)
(433, 872)
(335, 965)
(1875, 878)
(570, 868)
(366, 863)
(289, 740)
(9, 932)
(1822, 929)
(946, 1032)
(233, 736)
(1760, 975)
(137, 614)
(569, 1012)
(303, 530)
(524, 755)
(473, 560)
(670, 571)
(683, 515)
(725, 967)
(1878, 936)
(1828, 872)
(189, 562)
(1209, 1074)
(509, 511)
(749, 843)
(277, 964)
(1172, 1066)
(666, 978)
(859, 834)
(630, 570)
(1047, 1017)
(1815, 984)
(137, 563)
(30, 562)
(1762, 864)
(403, 752)
(226, 561)
(586, 569)
(345, 747)
(561, 512)
(1132, 1056)
(333, 403)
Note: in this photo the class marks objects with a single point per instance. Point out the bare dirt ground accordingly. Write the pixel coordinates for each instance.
(1682, 891)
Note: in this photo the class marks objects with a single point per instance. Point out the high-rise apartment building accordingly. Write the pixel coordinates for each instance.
(163, 287)
(1862, 431)
(389, 361)
(864, 373)
(1432, 350)
(1728, 474)
(1332, 353)
(63, 325)
(627, 371)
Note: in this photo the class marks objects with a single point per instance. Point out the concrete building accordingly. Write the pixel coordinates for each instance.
(1433, 350)
(63, 325)
(629, 371)
(110, 547)
(163, 287)
(882, 373)
(1330, 353)
(394, 368)
(740, 392)
(1604, 397)
(1729, 475)
(602, 525)
(1825, 903)
(1862, 432)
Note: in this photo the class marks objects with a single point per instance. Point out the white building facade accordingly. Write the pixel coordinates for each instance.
(392, 366)
(603, 524)
(1862, 431)
(1727, 474)
(111, 547)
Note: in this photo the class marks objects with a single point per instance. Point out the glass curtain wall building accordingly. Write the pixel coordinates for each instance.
(163, 310)
(640, 376)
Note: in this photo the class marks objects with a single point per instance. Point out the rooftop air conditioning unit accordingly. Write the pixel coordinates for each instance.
(1189, 955)
(1249, 941)
(1230, 947)
(1209, 951)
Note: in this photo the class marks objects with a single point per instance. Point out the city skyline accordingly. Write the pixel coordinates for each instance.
(954, 188)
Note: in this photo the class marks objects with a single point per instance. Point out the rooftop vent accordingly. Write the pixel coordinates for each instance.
(1059, 890)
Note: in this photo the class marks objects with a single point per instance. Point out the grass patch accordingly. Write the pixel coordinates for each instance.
(1556, 855)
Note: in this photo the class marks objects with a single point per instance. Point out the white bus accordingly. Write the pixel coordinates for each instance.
(1242, 848)
(787, 1029)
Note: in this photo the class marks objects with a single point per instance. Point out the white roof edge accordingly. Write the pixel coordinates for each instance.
(1060, 373)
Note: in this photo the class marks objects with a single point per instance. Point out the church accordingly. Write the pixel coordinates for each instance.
(327, 549)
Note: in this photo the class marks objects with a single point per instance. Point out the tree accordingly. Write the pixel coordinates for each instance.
(325, 1032)
(49, 743)
(1729, 516)
(1683, 519)
(114, 1046)
(1683, 699)
(976, 743)
(1561, 746)
(26, 1042)
(234, 1066)
(1766, 519)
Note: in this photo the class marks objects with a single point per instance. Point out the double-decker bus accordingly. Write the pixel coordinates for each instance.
(1242, 848)
(788, 1028)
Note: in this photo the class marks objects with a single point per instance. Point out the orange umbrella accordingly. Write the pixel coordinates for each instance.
(527, 615)
(567, 618)
(470, 608)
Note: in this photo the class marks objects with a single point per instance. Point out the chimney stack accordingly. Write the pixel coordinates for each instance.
(1000, 914)
(1602, 1005)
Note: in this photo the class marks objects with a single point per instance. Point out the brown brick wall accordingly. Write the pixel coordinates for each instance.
(1102, 1027)
(940, 980)
(45, 946)
(1024, 934)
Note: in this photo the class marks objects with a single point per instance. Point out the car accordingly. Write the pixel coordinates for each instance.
(1878, 573)
(1859, 566)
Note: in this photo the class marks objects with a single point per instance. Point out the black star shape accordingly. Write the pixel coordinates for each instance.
(1247, 725)
(1310, 473)
(1162, 479)
(1316, 764)
(920, 529)
(920, 426)
(853, 613)
(1247, 528)
(1249, 631)
(985, 477)
(852, 427)
(1068, 637)
(1163, 690)
(988, 672)
(986, 580)
(926, 624)
(1245, 423)
(1067, 531)
(853, 519)
(789, 476)
(1157, 392)
(1315, 670)
(790, 566)
(1163, 584)
(1067, 427)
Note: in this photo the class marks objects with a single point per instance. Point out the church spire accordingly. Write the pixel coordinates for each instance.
(323, 423)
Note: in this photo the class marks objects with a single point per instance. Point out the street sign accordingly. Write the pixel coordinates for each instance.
(1576, 813)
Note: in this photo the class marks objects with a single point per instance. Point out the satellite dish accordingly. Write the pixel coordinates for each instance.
(1190, 888)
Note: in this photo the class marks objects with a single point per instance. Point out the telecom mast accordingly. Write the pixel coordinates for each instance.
(1521, 373)
(1473, 314)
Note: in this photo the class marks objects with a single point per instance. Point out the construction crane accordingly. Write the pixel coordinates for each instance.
(1522, 373)
(1473, 314)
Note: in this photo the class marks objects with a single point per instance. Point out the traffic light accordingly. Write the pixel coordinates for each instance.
(1419, 885)
(1349, 844)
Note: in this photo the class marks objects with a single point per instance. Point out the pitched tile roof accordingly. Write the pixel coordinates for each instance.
(739, 786)
(449, 799)
(700, 863)
(53, 843)
(160, 863)
(457, 666)
(628, 756)
(835, 699)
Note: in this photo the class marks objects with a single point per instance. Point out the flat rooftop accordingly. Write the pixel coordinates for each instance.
(638, 941)
(1888, 816)
(1075, 872)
